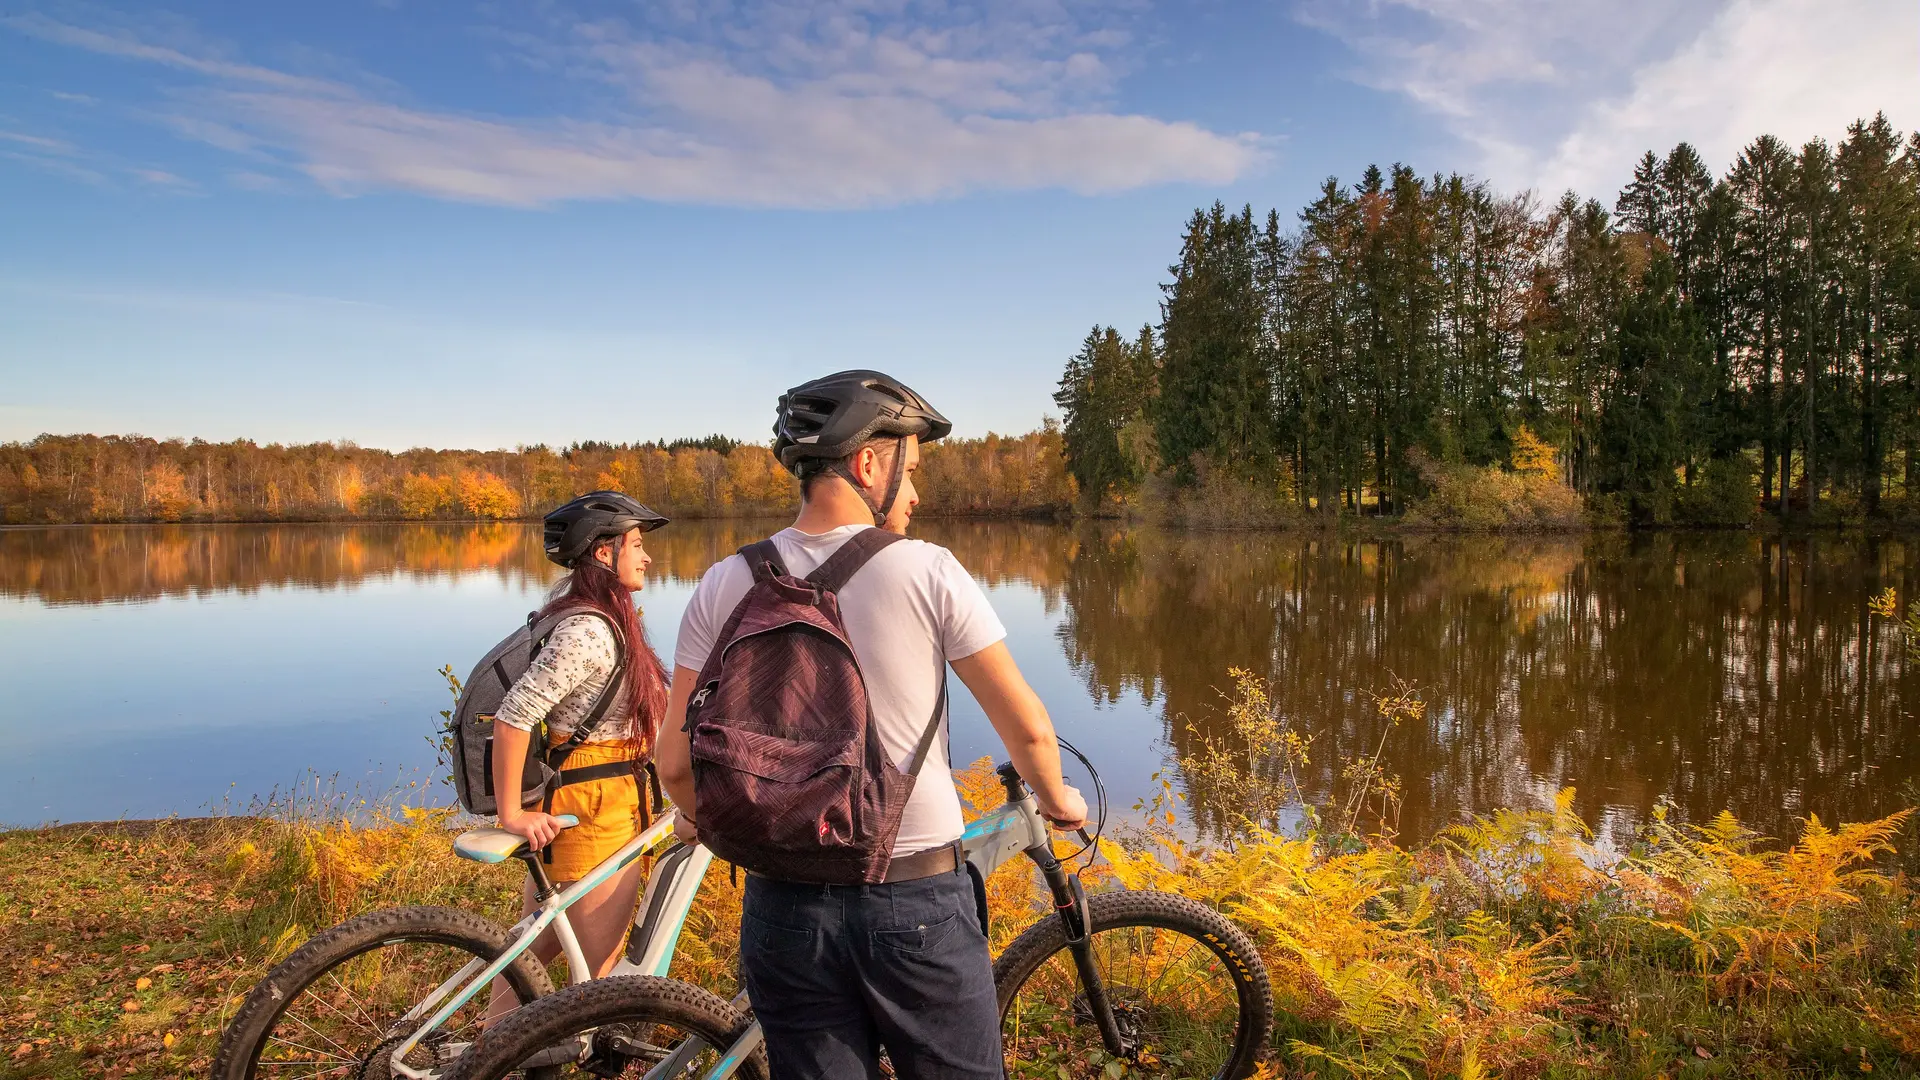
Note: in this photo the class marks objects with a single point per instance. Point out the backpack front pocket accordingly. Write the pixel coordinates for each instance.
(798, 793)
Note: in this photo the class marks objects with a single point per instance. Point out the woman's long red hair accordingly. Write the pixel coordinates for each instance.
(644, 701)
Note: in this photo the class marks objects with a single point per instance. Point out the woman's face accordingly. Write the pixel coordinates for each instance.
(633, 559)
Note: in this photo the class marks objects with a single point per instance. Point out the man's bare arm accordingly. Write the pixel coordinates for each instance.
(672, 758)
(1022, 723)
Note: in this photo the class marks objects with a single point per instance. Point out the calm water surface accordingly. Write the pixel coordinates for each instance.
(165, 670)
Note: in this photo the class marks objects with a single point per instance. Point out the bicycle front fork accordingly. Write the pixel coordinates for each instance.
(1070, 903)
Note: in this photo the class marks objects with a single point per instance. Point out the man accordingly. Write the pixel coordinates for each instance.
(836, 972)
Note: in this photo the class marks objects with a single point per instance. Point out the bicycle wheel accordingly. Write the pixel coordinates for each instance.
(1190, 995)
(635, 1023)
(333, 1008)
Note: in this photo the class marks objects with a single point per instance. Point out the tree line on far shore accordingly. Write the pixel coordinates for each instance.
(1427, 346)
(57, 479)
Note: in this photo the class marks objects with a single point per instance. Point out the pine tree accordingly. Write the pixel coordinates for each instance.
(1215, 391)
(1641, 430)
(1101, 394)
(1882, 216)
(1762, 179)
(1639, 205)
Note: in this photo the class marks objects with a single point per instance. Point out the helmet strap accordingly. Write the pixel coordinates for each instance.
(615, 543)
(882, 508)
(893, 485)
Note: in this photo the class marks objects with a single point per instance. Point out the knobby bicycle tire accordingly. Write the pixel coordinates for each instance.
(246, 1035)
(617, 1000)
(1111, 911)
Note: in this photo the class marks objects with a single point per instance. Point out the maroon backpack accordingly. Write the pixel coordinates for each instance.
(789, 773)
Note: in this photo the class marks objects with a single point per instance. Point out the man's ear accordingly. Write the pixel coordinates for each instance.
(866, 465)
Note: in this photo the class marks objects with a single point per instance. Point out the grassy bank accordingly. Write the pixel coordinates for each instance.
(1508, 947)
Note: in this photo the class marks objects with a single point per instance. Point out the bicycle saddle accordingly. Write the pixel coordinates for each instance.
(492, 845)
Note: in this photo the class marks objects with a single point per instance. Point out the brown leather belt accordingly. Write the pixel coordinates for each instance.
(923, 864)
(944, 859)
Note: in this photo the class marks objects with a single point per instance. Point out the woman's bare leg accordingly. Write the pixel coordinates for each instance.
(599, 921)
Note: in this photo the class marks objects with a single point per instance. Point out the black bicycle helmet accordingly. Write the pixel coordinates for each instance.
(830, 418)
(573, 529)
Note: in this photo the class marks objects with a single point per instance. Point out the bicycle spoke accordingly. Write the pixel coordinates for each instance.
(365, 1021)
(352, 1009)
(321, 1035)
(1174, 1001)
(313, 1050)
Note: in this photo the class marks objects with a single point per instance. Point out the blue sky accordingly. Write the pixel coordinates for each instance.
(483, 225)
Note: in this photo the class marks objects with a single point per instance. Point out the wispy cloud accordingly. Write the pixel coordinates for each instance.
(1553, 94)
(175, 300)
(37, 142)
(161, 178)
(779, 106)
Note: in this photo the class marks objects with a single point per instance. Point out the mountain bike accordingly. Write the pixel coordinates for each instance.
(1160, 983)
(401, 992)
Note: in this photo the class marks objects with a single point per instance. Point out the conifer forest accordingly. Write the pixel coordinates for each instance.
(1698, 351)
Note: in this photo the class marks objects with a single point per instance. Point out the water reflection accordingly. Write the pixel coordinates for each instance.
(1714, 671)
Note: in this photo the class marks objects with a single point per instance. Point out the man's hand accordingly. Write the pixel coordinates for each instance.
(539, 829)
(683, 829)
(1069, 813)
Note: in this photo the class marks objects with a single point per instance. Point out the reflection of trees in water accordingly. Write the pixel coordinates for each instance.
(119, 563)
(1716, 670)
(115, 563)
(1719, 670)
(1014, 552)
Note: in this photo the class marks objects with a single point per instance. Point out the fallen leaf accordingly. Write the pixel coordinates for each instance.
(142, 983)
(1701, 1052)
(130, 1005)
(168, 1041)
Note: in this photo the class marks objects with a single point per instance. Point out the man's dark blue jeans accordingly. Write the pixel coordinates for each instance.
(835, 972)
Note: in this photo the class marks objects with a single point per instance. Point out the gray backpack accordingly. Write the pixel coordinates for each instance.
(471, 723)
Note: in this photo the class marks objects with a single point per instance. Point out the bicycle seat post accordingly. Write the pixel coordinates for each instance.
(542, 884)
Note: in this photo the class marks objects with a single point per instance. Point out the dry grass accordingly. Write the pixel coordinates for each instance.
(1507, 947)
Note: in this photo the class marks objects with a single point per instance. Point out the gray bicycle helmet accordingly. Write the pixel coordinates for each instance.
(572, 530)
(830, 418)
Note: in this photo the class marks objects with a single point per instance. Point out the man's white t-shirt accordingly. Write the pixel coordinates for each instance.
(908, 611)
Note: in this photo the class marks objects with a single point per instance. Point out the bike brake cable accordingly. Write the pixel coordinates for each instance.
(1092, 847)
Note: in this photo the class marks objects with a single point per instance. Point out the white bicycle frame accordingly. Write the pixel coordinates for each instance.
(669, 897)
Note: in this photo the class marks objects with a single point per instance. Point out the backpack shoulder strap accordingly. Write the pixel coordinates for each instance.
(925, 748)
(764, 560)
(592, 720)
(847, 560)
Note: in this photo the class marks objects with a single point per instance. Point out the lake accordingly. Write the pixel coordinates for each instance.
(192, 669)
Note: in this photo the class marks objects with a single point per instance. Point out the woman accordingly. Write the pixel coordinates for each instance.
(597, 537)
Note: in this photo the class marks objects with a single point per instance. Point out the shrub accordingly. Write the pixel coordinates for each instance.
(1474, 499)
(1722, 496)
(1224, 498)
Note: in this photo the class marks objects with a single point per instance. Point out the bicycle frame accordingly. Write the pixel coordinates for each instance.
(670, 893)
